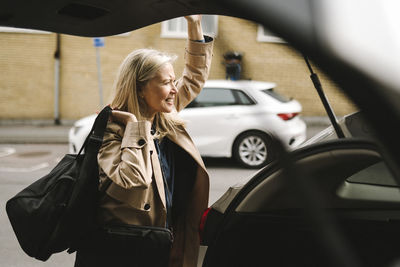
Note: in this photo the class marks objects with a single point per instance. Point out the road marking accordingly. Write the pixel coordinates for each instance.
(26, 169)
(6, 151)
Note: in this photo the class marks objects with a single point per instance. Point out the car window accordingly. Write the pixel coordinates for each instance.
(212, 97)
(243, 98)
(376, 174)
(276, 95)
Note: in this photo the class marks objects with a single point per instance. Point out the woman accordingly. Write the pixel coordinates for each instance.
(151, 172)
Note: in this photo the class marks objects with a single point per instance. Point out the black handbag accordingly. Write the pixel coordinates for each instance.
(126, 246)
(53, 213)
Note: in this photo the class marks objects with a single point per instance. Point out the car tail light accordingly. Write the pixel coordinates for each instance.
(287, 116)
(203, 222)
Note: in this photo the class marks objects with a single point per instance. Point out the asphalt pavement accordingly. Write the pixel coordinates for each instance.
(36, 132)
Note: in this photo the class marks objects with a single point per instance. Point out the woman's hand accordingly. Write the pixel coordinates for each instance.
(193, 18)
(122, 117)
(195, 32)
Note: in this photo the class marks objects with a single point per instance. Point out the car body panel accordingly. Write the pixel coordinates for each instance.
(267, 210)
(78, 133)
(352, 125)
(225, 123)
(98, 18)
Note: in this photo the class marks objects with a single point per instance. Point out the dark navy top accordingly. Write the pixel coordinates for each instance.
(165, 151)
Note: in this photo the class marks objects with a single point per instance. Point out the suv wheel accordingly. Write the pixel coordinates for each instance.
(253, 149)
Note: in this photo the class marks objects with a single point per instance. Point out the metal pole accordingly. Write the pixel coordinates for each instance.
(57, 54)
(324, 100)
(99, 77)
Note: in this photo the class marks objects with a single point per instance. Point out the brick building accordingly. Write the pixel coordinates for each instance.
(27, 67)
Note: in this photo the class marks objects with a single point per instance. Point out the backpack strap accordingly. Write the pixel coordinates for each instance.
(95, 137)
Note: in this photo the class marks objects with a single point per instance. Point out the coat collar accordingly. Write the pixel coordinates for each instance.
(183, 140)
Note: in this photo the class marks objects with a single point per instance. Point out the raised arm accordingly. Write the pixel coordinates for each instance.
(198, 57)
(195, 31)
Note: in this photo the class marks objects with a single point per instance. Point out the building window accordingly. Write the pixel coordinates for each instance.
(177, 28)
(125, 34)
(264, 35)
(19, 30)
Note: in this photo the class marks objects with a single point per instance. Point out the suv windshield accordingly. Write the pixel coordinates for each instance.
(276, 95)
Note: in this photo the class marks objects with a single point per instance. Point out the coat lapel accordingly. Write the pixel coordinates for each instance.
(183, 140)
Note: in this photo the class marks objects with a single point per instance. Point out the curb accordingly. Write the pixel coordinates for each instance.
(16, 134)
(45, 131)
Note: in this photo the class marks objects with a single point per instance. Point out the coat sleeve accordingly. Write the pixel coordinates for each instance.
(124, 156)
(197, 67)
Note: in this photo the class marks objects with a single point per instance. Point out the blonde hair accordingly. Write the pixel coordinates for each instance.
(135, 71)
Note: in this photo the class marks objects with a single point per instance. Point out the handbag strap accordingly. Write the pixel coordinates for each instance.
(95, 137)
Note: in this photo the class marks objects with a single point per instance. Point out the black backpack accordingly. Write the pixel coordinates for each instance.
(54, 213)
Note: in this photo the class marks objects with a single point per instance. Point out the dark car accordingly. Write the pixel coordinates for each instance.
(332, 203)
(336, 194)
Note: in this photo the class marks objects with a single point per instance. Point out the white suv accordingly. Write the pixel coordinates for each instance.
(232, 119)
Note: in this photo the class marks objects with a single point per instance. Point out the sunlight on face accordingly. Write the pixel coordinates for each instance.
(159, 93)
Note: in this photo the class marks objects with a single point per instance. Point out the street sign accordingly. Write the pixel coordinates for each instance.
(98, 42)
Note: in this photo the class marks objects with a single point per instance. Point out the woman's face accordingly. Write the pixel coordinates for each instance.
(159, 92)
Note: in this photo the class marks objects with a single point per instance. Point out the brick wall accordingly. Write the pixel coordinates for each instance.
(26, 75)
(275, 62)
(27, 69)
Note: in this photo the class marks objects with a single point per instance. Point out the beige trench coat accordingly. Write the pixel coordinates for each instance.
(128, 157)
